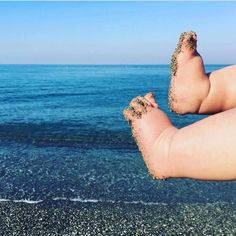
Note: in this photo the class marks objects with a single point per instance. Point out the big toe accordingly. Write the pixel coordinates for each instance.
(151, 98)
(188, 41)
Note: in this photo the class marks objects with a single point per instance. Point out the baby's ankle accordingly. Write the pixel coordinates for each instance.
(159, 161)
(190, 98)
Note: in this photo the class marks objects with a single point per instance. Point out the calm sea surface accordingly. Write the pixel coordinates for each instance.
(63, 135)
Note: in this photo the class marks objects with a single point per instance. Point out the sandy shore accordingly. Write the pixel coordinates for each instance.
(68, 218)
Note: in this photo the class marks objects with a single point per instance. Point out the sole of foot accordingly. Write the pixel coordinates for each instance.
(187, 85)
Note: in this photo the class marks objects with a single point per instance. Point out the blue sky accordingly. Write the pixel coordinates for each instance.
(113, 32)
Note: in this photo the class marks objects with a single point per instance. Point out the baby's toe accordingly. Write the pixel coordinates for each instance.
(140, 105)
(151, 98)
(129, 114)
(190, 40)
(140, 101)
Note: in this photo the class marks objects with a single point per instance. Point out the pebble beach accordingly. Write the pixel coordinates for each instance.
(63, 218)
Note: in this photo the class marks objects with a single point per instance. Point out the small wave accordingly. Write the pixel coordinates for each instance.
(21, 200)
(78, 199)
(109, 201)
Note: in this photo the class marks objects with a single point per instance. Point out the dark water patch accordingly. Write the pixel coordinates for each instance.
(64, 134)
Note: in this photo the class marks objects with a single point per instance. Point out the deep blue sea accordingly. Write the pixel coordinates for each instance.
(63, 136)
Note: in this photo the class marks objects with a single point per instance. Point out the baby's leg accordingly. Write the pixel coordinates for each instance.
(204, 150)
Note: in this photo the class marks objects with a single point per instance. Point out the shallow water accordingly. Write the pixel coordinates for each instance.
(63, 135)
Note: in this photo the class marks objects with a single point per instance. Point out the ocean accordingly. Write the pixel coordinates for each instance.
(63, 139)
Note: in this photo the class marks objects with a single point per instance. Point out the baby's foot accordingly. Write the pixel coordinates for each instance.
(189, 82)
(151, 129)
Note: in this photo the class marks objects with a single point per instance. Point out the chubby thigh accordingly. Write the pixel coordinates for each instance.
(206, 149)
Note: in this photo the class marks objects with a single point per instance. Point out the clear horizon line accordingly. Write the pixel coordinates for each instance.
(104, 64)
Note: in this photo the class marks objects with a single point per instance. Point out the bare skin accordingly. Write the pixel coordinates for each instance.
(204, 150)
(194, 91)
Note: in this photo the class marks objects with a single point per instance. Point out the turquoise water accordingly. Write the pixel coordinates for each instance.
(63, 135)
